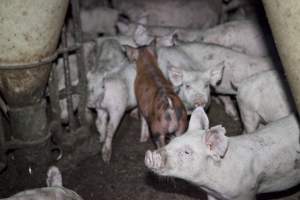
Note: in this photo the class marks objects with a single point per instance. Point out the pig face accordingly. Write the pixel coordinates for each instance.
(193, 86)
(189, 155)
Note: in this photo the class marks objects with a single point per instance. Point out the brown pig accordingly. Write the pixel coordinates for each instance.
(162, 111)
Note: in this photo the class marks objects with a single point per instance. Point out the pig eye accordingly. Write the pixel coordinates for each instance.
(206, 85)
(186, 152)
(187, 86)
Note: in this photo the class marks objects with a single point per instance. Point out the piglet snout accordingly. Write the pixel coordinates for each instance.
(153, 160)
(200, 101)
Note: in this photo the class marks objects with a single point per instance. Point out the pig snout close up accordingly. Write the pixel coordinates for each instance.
(162, 111)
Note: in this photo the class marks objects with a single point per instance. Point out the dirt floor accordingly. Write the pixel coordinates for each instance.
(126, 176)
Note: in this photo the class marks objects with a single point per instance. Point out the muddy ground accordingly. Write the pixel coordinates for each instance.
(126, 176)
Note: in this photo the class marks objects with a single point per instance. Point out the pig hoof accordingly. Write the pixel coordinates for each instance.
(106, 155)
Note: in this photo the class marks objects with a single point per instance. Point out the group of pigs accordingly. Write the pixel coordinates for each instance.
(171, 78)
(162, 74)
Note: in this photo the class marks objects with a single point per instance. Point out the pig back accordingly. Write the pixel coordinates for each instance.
(168, 114)
(176, 13)
(277, 154)
(149, 82)
(157, 101)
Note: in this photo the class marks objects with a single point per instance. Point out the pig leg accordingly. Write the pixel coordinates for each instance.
(210, 197)
(144, 130)
(115, 101)
(115, 115)
(229, 107)
(101, 123)
(250, 119)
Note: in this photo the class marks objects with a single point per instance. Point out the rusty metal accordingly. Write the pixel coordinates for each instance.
(39, 63)
(68, 81)
(2, 144)
(53, 94)
(80, 63)
(27, 50)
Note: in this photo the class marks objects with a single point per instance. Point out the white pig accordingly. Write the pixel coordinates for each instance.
(111, 92)
(244, 36)
(263, 98)
(232, 168)
(193, 67)
(111, 50)
(54, 189)
(185, 14)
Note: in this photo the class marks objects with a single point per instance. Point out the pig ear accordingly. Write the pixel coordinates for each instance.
(54, 177)
(216, 74)
(132, 53)
(199, 120)
(216, 142)
(175, 75)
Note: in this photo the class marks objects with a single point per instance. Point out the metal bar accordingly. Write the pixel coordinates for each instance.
(68, 82)
(54, 94)
(3, 159)
(80, 63)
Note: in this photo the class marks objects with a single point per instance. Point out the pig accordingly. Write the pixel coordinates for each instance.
(263, 98)
(244, 36)
(198, 14)
(90, 51)
(99, 20)
(111, 92)
(161, 109)
(54, 189)
(194, 67)
(235, 168)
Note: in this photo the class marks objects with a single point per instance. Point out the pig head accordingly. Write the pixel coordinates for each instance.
(193, 86)
(184, 156)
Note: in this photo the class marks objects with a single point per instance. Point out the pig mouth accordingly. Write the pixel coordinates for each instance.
(155, 161)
